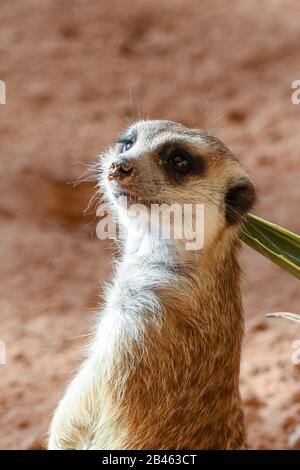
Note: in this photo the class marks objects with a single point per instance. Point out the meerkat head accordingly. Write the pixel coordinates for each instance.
(165, 163)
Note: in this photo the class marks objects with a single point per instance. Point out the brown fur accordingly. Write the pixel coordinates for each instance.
(183, 394)
(166, 377)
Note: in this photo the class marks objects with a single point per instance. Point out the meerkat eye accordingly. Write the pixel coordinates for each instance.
(181, 162)
(126, 141)
(126, 145)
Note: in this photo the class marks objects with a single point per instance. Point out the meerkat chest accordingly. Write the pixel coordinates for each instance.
(133, 308)
(136, 287)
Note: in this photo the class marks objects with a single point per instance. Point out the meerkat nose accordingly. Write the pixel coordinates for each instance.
(121, 170)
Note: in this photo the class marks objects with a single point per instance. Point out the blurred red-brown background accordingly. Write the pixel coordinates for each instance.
(76, 72)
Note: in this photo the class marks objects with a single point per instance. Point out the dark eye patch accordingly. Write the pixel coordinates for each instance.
(180, 163)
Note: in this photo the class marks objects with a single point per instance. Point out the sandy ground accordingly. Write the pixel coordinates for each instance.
(76, 72)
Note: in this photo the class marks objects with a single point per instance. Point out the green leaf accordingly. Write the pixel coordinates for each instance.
(276, 243)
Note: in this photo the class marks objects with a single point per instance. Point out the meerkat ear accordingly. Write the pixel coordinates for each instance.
(239, 199)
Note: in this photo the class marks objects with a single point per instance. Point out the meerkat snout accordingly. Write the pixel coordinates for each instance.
(121, 169)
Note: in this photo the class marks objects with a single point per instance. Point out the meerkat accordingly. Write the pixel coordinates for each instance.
(163, 369)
